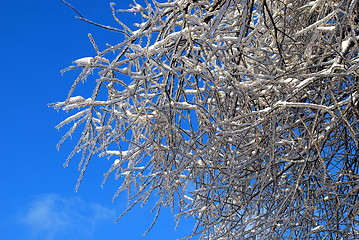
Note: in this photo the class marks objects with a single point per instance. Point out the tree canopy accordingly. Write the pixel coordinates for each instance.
(242, 114)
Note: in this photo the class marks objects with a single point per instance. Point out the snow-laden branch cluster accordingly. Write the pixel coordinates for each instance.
(240, 113)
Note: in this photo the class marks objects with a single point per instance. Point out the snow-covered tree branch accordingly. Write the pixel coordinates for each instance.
(240, 113)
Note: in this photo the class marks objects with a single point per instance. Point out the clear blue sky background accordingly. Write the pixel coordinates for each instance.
(39, 38)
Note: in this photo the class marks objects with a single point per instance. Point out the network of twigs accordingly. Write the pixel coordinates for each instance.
(240, 113)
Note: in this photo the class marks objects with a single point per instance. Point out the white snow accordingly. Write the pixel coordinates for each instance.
(203, 209)
(138, 7)
(78, 102)
(126, 173)
(317, 228)
(72, 118)
(222, 94)
(305, 82)
(140, 25)
(200, 162)
(355, 97)
(312, 3)
(317, 23)
(83, 61)
(326, 28)
(76, 99)
(185, 106)
(116, 162)
(188, 198)
(190, 91)
(96, 120)
(71, 101)
(102, 128)
(151, 50)
(117, 153)
(136, 47)
(345, 45)
(89, 60)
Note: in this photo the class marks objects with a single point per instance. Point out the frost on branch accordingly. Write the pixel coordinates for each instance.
(240, 113)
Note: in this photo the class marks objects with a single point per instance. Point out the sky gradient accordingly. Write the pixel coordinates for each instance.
(38, 201)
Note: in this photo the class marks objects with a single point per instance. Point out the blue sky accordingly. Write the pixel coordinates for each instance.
(38, 39)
